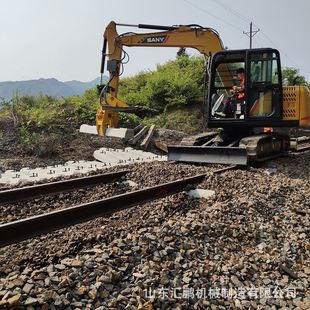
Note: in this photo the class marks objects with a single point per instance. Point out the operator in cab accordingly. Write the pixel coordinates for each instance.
(236, 95)
(239, 90)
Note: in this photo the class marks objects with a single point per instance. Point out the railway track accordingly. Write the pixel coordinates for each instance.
(173, 224)
(30, 192)
(15, 231)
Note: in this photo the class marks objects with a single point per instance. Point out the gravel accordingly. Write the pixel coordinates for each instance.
(246, 247)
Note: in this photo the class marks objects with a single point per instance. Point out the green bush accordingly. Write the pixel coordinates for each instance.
(129, 120)
(187, 120)
(45, 123)
(84, 107)
(174, 84)
(40, 144)
(45, 112)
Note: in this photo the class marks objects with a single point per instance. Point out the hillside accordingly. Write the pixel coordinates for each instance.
(51, 87)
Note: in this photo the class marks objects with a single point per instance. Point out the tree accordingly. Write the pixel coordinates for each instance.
(293, 77)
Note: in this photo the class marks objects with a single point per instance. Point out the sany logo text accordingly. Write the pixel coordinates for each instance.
(154, 39)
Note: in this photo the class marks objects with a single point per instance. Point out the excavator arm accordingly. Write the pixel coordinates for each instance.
(205, 40)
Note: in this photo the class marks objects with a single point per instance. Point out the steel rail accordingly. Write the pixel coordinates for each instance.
(40, 224)
(29, 192)
(226, 169)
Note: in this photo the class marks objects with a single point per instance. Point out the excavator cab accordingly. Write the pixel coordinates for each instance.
(260, 104)
(242, 109)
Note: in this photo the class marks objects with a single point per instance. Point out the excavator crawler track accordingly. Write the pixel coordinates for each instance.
(265, 146)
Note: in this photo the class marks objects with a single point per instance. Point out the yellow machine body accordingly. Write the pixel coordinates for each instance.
(296, 104)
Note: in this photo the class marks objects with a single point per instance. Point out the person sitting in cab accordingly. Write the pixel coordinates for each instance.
(239, 91)
(236, 95)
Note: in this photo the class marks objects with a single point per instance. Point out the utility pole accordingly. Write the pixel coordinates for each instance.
(251, 33)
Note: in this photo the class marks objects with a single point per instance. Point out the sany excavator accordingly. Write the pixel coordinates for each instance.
(257, 126)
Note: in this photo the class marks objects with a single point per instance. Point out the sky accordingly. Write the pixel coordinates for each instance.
(62, 39)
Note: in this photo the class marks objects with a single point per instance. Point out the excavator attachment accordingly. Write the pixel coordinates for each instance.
(105, 122)
(122, 133)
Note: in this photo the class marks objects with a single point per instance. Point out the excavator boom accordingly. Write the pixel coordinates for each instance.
(205, 40)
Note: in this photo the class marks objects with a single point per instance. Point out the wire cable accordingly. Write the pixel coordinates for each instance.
(231, 10)
(245, 19)
(211, 14)
(275, 45)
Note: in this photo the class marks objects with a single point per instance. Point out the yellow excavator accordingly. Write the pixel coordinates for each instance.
(256, 127)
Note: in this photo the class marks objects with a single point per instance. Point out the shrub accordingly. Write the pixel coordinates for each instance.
(175, 83)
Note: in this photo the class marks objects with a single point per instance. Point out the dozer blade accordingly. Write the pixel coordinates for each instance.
(208, 154)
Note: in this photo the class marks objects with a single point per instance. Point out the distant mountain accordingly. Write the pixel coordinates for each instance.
(50, 87)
